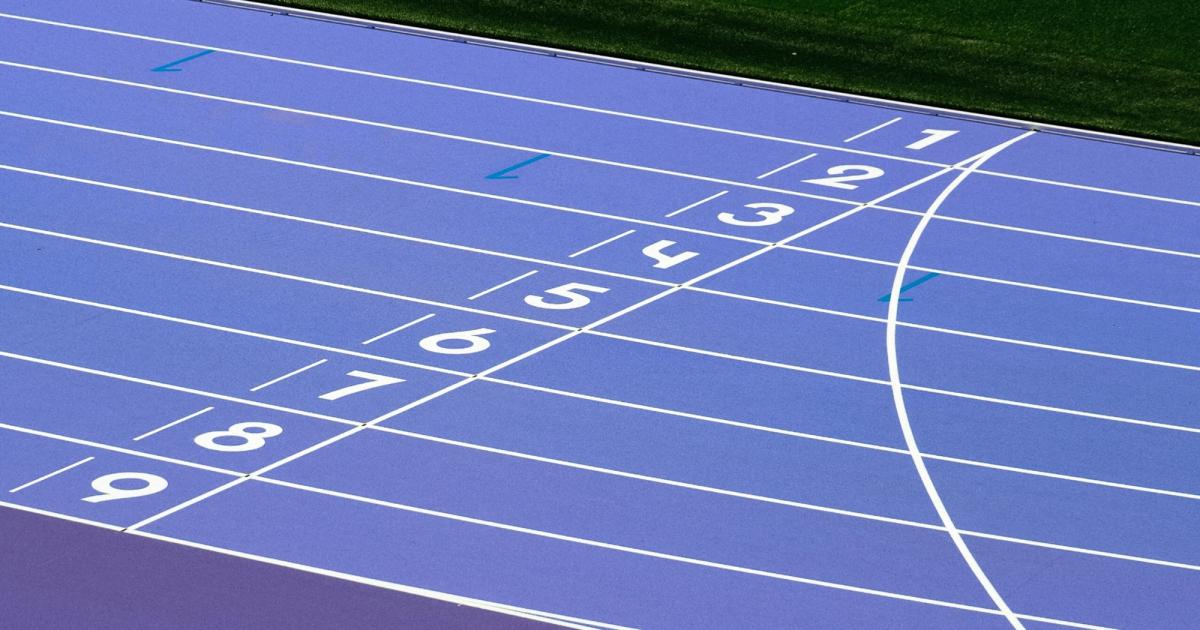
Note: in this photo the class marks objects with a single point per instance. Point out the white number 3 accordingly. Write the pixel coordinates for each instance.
(771, 214)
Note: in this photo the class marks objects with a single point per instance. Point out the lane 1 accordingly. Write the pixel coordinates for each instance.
(690, 101)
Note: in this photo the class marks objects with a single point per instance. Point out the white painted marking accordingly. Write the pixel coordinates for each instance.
(397, 329)
(288, 375)
(898, 390)
(52, 473)
(161, 385)
(695, 203)
(502, 284)
(275, 274)
(332, 169)
(117, 449)
(576, 107)
(872, 130)
(786, 166)
(601, 243)
(173, 423)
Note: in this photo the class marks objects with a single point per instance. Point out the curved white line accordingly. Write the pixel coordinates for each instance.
(898, 388)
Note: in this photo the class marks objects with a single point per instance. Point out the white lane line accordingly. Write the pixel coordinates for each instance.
(658, 480)
(1072, 478)
(601, 243)
(346, 171)
(503, 284)
(287, 376)
(647, 552)
(1107, 191)
(173, 423)
(363, 230)
(275, 274)
(965, 395)
(177, 388)
(701, 488)
(417, 131)
(227, 329)
(938, 329)
(51, 474)
(898, 390)
(694, 204)
(871, 130)
(969, 276)
(786, 166)
(696, 487)
(1049, 234)
(1062, 410)
(655, 119)
(459, 88)
(116, 449)
(533, 351)
(740, 358)
(415, 239)
(617, 218)
(516, 611)
(397, 329)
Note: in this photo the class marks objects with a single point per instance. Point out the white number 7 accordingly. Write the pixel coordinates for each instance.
(371, 381)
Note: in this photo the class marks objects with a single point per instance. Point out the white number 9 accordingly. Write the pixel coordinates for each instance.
(109, 492)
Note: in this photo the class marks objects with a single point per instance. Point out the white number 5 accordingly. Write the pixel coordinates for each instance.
(569, 291)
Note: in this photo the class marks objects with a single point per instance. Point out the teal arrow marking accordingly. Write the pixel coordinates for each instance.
(504, 172)
(170, 67)
(922, 280)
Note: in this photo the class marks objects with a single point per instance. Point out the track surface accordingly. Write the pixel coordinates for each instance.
(605, 346)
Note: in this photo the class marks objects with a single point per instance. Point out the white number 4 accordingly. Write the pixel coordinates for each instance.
(570, 291)
(370, 381)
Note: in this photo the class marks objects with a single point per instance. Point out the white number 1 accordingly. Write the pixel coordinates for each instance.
(933, 136)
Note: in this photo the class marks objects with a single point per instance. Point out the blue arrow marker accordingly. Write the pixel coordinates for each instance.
(503, 173)
(923, 279)
(169, 67)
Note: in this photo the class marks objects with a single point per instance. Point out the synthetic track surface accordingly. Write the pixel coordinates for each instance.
(588, 343)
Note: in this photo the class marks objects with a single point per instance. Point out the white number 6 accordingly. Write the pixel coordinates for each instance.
(473, 338)
(570, 291)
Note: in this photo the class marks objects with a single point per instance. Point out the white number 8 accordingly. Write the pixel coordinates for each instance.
(249, 436)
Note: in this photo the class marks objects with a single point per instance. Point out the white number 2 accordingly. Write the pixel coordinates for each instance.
(104, 484)
(839, 179)
(570, 291)
(370, 381)
(771, 214)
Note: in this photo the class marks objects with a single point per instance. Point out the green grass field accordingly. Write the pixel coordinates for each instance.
(1118, 66)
